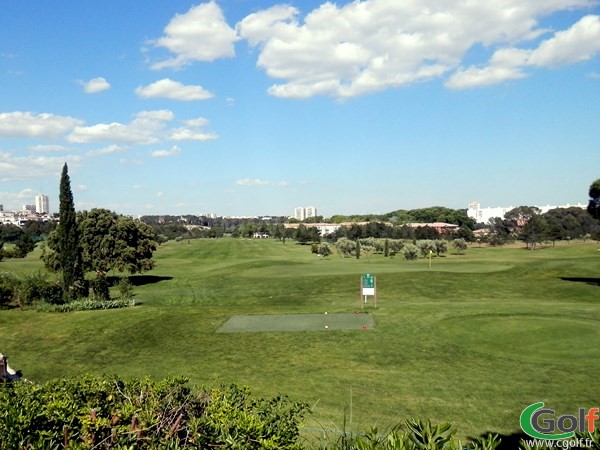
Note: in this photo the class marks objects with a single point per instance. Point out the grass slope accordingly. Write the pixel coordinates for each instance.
(473, 340)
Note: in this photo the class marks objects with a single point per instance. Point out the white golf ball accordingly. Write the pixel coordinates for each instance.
(325, 312)
(326, 326)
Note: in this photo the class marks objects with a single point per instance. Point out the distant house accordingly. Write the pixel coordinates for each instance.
(440, 227)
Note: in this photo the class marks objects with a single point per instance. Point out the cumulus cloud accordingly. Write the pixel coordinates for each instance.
(578, 43)
(95, 85)
(109, 149)
(24, 168)
(201, 34)
(193, 131)
(30, 125)
(146, 128)
(174, 90)
(48, 148)
(186, 134)
(259, 182)
(372, 45)
(173, 151)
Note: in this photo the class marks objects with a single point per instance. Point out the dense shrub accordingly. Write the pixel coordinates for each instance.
(110, 413)
(36, 287)
(85, 304)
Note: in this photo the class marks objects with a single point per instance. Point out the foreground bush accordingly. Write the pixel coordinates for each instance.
(110, 413)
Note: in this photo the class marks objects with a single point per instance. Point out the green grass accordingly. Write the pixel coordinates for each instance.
(472, 341)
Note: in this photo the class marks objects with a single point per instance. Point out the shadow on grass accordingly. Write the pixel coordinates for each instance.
(592, 281)
(139, 280)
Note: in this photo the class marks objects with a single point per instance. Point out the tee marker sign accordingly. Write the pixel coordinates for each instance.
(368, 287)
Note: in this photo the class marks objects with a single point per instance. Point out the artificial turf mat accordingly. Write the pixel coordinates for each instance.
(297, 322)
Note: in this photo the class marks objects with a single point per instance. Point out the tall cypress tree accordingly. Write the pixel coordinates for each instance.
(69, 247)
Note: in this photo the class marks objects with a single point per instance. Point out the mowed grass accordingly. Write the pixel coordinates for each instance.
(472, 341)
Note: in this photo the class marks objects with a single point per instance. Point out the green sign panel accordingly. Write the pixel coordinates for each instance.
(368, 280)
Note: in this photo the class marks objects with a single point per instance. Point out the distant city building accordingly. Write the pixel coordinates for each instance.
(303, 213)
(29, 208)
(42, 204)
(483, 215)
(1, 207)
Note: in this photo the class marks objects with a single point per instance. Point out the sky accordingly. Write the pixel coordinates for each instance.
(247, 107)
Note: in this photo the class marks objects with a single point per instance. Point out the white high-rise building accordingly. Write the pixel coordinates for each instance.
(303, 213)
(483, 215)
(42, 204)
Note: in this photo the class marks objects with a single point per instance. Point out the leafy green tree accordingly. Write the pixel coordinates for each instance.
(386, 248)
(410, 252)
(10, 233)
(519, 216)
(24, 246)
(594, 204)
(345, 246)
(534, 231)
(110, 241)
(68, 248)
(460, 245)
(324, 249)
(441, 246)
(426, 246)
(357, 249)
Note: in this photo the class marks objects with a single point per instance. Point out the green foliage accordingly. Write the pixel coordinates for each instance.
(324, 249)
(24, 245)
(426, 246)
(357, 249)
(125, 289)
(460, 245)
(111, 413)
(68, 244)
(110, 241)
(345, 246)
(420, 435)
(441, 246)
(99, 287)
(29, 289)
(410, 252)
(594, 204)
(85, 304)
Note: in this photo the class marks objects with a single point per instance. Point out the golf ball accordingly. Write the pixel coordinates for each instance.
(326, 326)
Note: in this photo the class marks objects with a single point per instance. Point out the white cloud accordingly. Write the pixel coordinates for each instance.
(48, 148)
(259, 182)
(109, 149)
(485, 76)
(145, 128)
(174, 90)
(371, 45)
(95, 85)
(81, 188)
(193, 131)
(201, 34)
(197, 122)
(186, 134)
(24, 168)
(579, 43)
(14, 200)
(173, 151)
(31, 125)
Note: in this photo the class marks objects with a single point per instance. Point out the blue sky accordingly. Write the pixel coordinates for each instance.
(243, 107)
